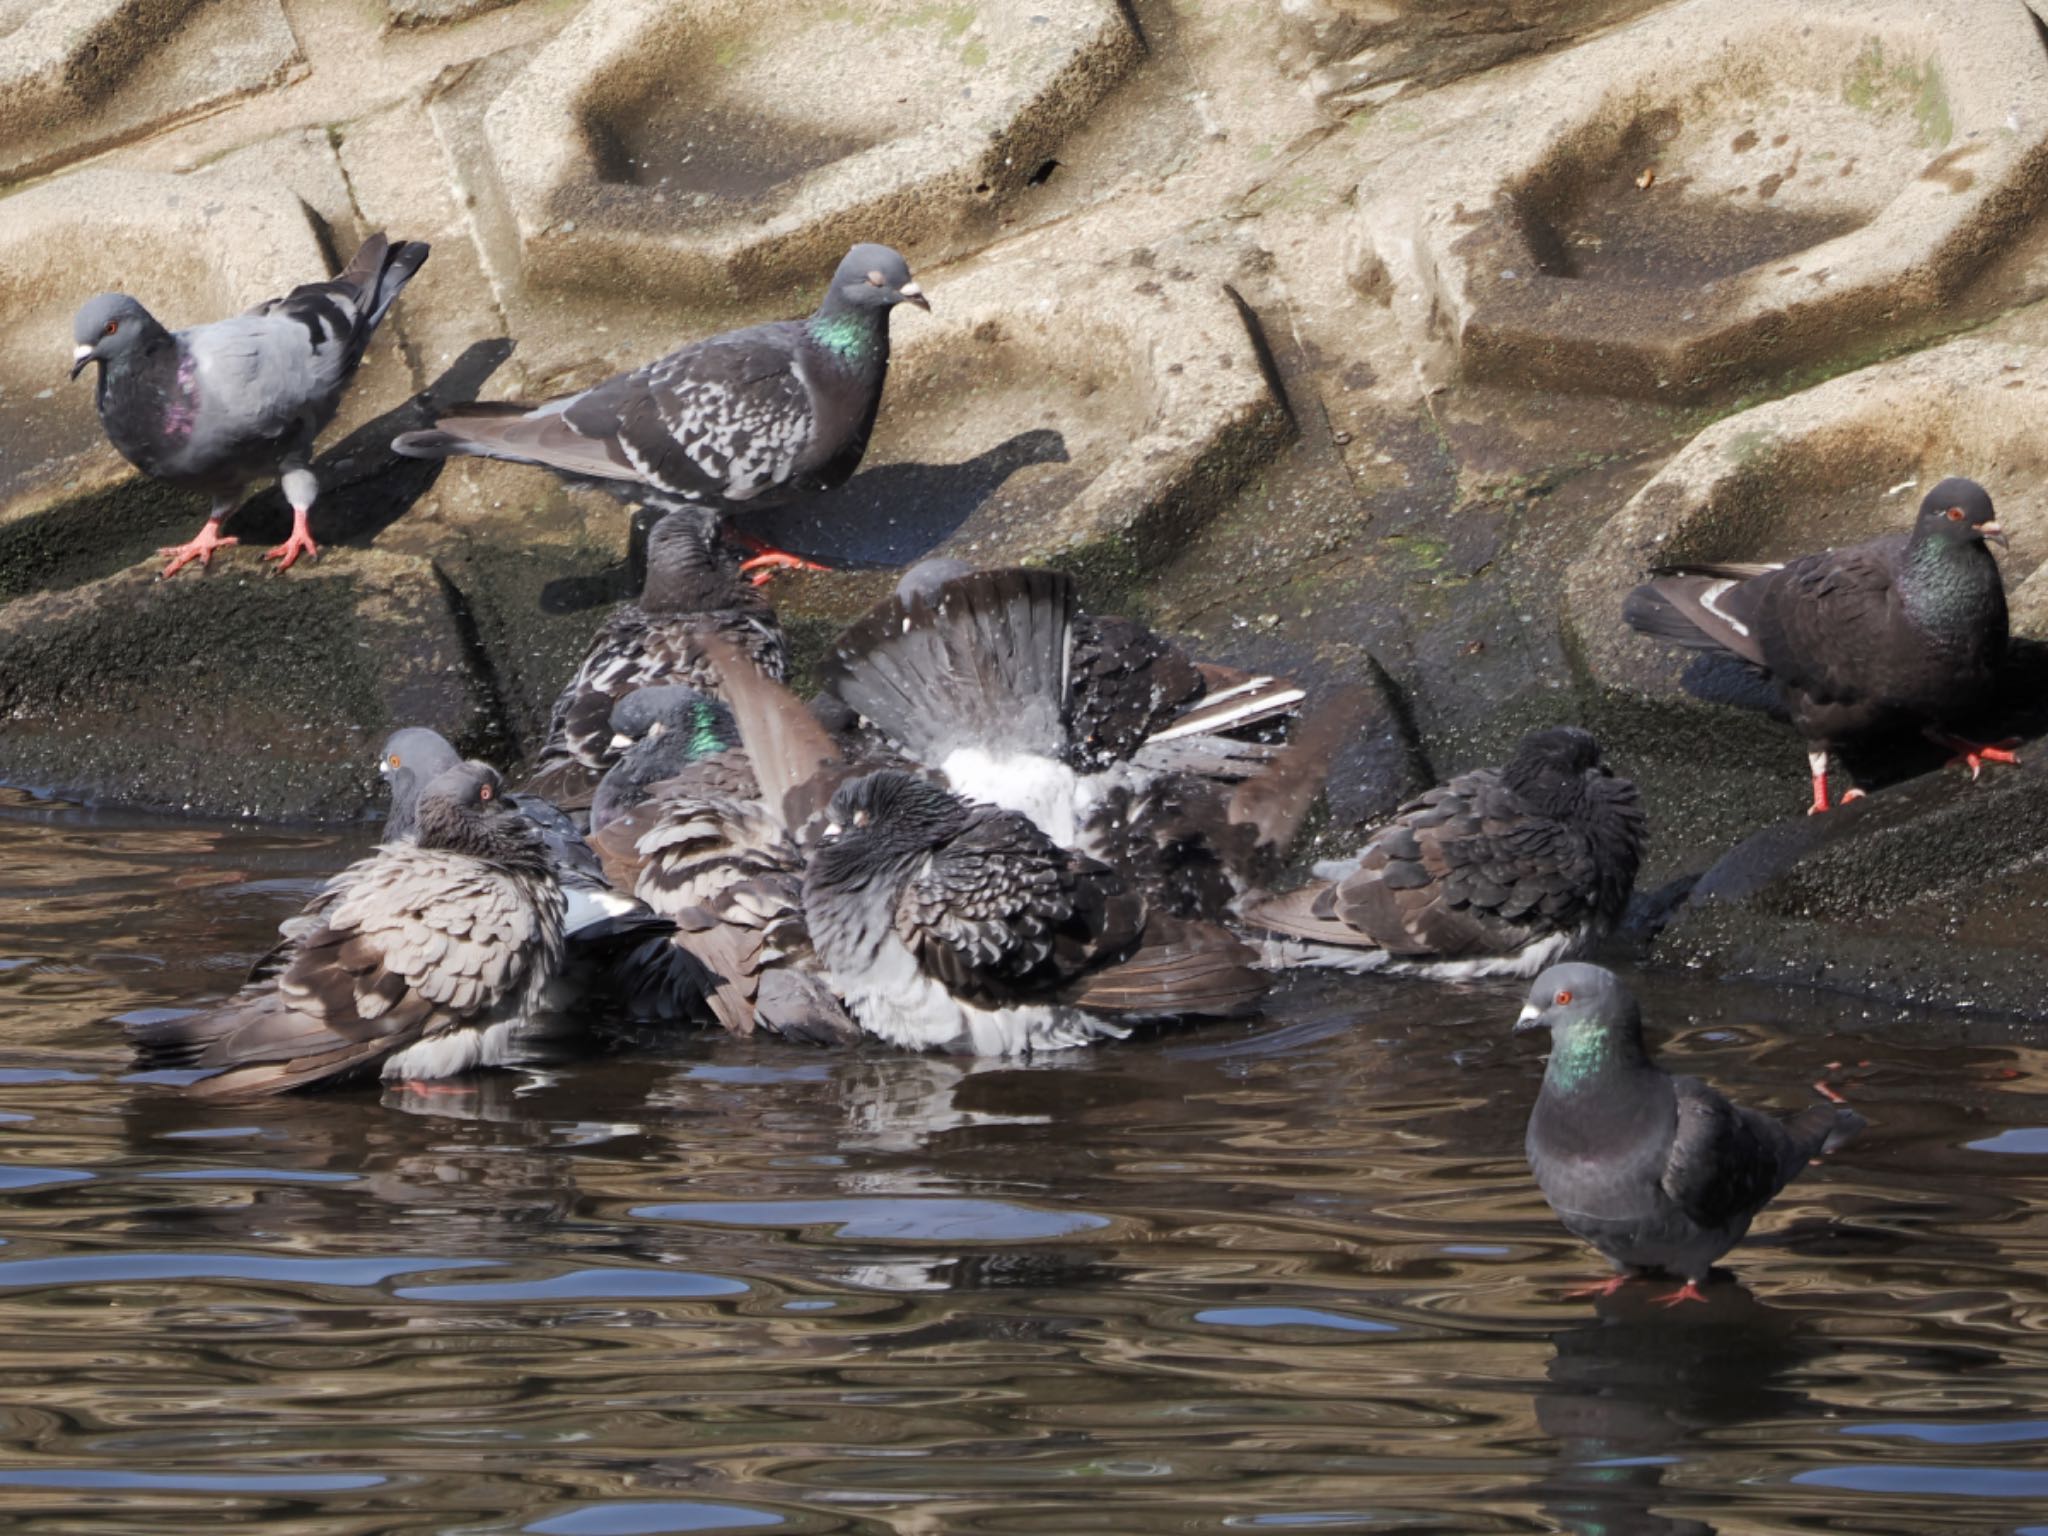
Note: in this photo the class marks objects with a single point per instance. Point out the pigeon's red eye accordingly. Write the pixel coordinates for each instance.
(112, 326)
(1955, 514)
(483, 792)
(392, 759)
(1563, 998)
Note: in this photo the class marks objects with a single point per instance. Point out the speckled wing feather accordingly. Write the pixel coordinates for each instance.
(1463, 870)
(409, 942)
(1001, 914)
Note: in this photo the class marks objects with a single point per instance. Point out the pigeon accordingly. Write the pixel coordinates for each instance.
(752, 418)
(428, 959)
(1661, 1174)
(657, 733)
(1907, 630)
(948, 925)
(1500, 872)
(218, 407)
(688, 590)
(996, 680)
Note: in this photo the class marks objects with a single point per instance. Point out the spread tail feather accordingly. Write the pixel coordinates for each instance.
(982, 664)
(1822, 1128)
(1295, 915)
(1684, 607)
(1277, 800)
(795, 760)
(256, 1047)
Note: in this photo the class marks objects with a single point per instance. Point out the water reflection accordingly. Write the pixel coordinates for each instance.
(1289, 1275)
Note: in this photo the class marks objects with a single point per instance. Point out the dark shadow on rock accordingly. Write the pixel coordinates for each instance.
(364, 486)
(614, 584)
(895, 514)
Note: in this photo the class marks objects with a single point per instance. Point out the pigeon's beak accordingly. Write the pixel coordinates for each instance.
(80, 356)
(916, 296)
(833, 829)
(1530, 1018)
(621, 742)
(1995, 534)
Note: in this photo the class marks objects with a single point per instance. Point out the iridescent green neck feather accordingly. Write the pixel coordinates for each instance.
(1579, 1054)
(705, 736)
(850, 334)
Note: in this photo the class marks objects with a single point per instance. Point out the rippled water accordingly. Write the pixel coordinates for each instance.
(1283, 1276)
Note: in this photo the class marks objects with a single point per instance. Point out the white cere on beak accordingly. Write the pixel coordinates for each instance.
(1529, 1015)
(621, 742)
(833, 829)
(80, 352)
(911, 291)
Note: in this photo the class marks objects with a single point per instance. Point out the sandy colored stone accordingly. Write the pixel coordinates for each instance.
(721, 147)
(77, 75)
(1715, 191)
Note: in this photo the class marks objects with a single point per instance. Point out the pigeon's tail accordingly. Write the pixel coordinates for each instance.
(255, 1047)
(982, 664)
(1275, 802)
(377, 274)
(1234, 701)
(1704, 608)
(1180, 969)
(1815, 1131)
(464, 430)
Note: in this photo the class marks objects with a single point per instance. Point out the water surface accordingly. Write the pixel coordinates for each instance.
(1283, 1276)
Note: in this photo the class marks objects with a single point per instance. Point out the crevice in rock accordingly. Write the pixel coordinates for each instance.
(498, 737)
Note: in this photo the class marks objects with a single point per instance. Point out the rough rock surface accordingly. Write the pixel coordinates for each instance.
(1227, 331)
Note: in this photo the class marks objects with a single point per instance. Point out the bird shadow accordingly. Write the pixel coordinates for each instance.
(887, 517)
(364, 486)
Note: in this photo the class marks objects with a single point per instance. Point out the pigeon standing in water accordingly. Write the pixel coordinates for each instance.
(427, 959)
(751, 418)
(690, 590)
(1500, 872)
(1905, 630)
(1661, 1174)
(221, 406)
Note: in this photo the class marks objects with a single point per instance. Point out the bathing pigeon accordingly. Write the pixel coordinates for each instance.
(1500, 872)
(429, 958)
(952, 926)
(689, 589)
(218, 407)
(751, 418)
(1905, 630)
(998, 681)
(1660, 1173)
(658, 733)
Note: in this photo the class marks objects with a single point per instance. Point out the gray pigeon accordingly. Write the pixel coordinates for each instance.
(428, 959)
(690, 590)
(960, 927)
(1905, 630)
(752, 418)
(1500, 872)
(657, 733)
(221, 406)
(1661, 1174)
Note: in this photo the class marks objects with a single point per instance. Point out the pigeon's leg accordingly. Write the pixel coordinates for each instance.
(1603, 1288)
(1690, 1291)
(202, 544)
(1817, 760)
(767, 559)
(1974, 755)
(300, 488)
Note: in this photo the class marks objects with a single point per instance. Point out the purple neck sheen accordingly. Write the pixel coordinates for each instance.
(183, 405)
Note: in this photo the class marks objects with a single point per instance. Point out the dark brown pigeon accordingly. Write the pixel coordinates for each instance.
(1661, 1174)
(1908, 630)
(752, 418)
(1500, 872)
(218, 407)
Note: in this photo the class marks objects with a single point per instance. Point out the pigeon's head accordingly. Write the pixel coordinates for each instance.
(893, 812)
(106, 327)
(465, 809)
(1550, 768)
(1577, 1003)
(685, 571)
(1960, 510)
(411, 759)
(687, 723)
(876, 277)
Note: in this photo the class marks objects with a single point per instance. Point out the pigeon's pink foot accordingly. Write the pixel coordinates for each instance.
(1604, 1288)
(1826, 1091)
(1974, 755)
(1686, 1292)
(300, 543)
(200, 548)
(762, 567)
